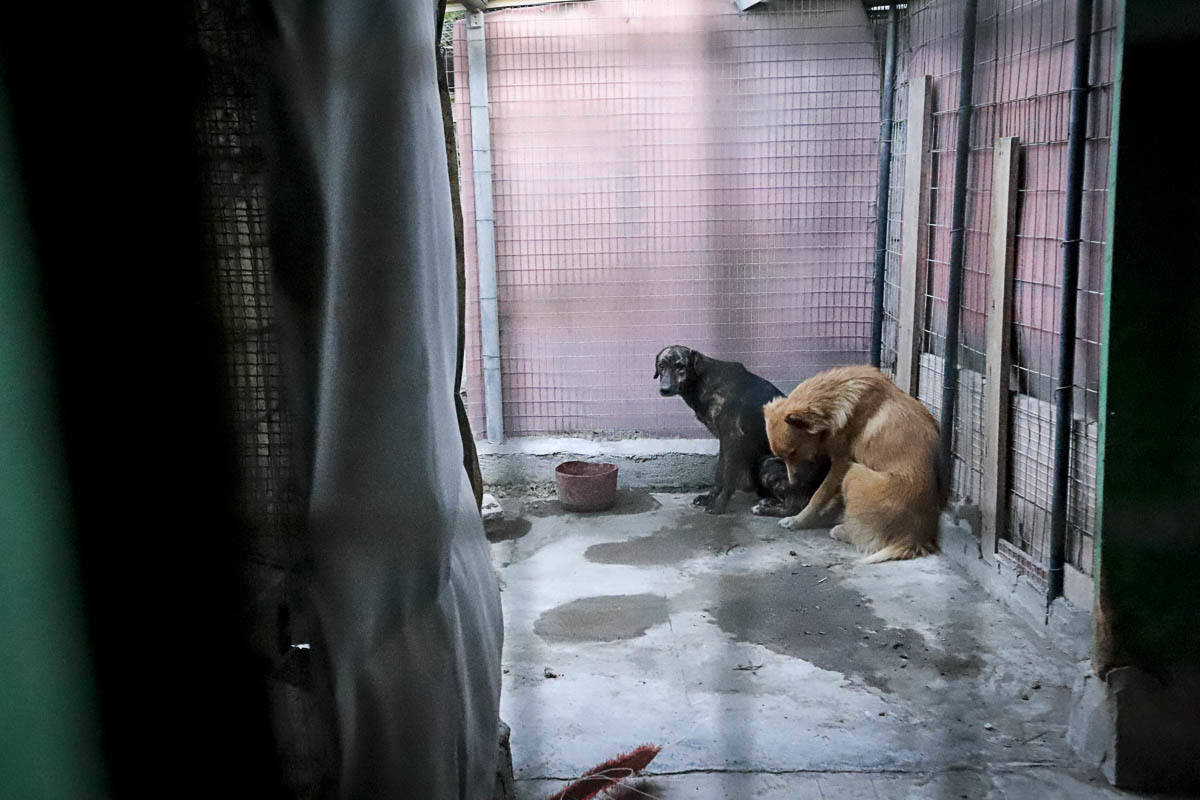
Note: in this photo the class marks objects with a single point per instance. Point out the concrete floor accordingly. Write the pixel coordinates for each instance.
(767, 663)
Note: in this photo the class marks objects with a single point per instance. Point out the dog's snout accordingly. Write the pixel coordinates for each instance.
(665, 392)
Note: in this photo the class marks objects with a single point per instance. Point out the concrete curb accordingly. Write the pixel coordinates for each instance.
(656, 464)
(1067, 627)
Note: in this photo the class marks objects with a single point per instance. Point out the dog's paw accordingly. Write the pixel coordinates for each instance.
(703, 500)
(788, 523)
(767, 508)
(839, 534)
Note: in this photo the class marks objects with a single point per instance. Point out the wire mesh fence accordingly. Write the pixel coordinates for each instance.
(936, 33)
(233, 205)
(899, 135)
(671, 172)
(232, 187)
(1023, 65)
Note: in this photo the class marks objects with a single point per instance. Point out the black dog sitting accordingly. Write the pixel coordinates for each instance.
(729, 400)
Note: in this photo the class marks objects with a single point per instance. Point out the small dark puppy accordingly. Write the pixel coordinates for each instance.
(728, 400)
(783, 498)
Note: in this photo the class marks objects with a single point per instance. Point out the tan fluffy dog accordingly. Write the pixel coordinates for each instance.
(885, 485)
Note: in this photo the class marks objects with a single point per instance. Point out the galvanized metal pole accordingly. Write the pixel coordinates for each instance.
(485, 233)
(958, 215)
(1065, 390)
(885, 175)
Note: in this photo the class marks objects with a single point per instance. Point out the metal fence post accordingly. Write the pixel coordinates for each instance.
(962, 152)
(485, 232)
(1065, 389)
(885, 176)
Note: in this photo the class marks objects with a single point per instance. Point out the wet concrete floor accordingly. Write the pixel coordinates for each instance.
(767, 663)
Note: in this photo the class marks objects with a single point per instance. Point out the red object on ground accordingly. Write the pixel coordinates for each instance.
(609, 774)
(586, 486)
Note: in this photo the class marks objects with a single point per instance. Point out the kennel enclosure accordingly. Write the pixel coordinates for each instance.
(686, 172)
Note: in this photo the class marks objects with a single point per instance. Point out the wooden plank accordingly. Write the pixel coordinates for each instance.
(993, 499)
(914, 237)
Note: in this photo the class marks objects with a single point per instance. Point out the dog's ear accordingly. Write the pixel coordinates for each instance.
(699, 363)
(770, 406)
(805, 421)
(656, 372)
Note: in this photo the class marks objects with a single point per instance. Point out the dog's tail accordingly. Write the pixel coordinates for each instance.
(900, 551)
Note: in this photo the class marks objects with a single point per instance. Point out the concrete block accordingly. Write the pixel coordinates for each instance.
(1092, 728)
(1142, 731)
(491, 509)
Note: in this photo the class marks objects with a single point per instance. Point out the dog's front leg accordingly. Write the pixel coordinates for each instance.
(706, 500)
(733, 475)
(824, 503)
(720, 499)
(724, 490)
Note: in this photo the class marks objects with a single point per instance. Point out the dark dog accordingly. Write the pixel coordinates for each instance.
(728, 400)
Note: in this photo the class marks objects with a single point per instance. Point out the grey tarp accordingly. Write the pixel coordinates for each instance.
(363, 246)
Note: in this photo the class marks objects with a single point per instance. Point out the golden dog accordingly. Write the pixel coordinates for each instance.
(886, 485)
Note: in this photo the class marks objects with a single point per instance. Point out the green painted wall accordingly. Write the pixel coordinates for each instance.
(48, 746)
(1149, 555)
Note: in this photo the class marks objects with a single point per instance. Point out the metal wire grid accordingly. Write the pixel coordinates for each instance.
(672, 172)
(936, 34)
(899, 136)
(235, 214)
(233, 197)
(1023, 72)
(446, 46)
(1081, 509)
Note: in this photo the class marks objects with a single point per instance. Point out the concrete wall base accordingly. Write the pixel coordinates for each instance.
(1141, 732)
(1069, 628)
(657, 464)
